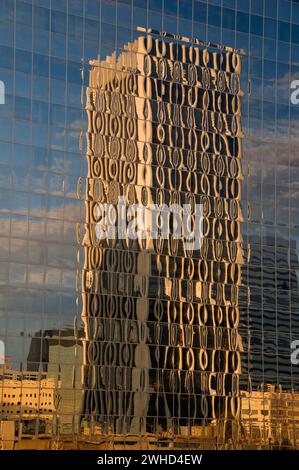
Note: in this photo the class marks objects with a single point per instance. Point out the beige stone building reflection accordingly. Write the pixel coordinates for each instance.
(270, 417)
(162, 349)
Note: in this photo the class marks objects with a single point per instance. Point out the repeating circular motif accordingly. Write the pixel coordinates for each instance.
(171, 138)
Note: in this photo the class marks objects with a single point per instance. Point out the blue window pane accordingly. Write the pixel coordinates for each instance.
(170, 7)
(256, 45)
(256, 25)
(57, 115)
(228, 19)
(107, 34)
(243, 5)
(41, 65)
(6, 57)
(138, 3)
(200, 30)
(23, 61)
(41, 41)
(74, 72)
(155, 20)
(256, 67)
(39, 158)
(295, 55)
(170, 24)
(22, 108)
(41, 18)
(24, 13)
(214, 34)
(229, 4)
(58, 45)
(295, 12)
(40, 111)
(242, 42)
(228, 38)
(200, 12)
(59, 5)
(185, 9)
(92, 8)
(214, 15)
(92, 30)
(283, 31)
(270, 28)
(123, 36)
(6, 10)
(73, 98)
(24, 37)
(124, 15)
(295, 34)
(6, 110)
(185, 28)
(269, 69)
(6, 33)
(76, 7)
(6, 152)
(283, 51)
(40, 88)
(108, 11)
(282, 71)
(7, 77)
(257, 7)
(155, 5)
(140, 16)
(242, 22)
(75, 26)
(43, 3)
(284, 10)
(271, 8)
(270, 49)
(57, 68)
(75, 49)
(5, 130)
(58, 22)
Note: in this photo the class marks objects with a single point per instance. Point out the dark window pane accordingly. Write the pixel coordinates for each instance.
(170, 7)
(283, 31)
(200, 12)
(57, 68)
(214, 15)
(242, 22)
(228, 19)
(41, 18)
(185, 9)
(41, 64)
(24, 13)
(270, 28)
(58, 22)
(23, 61)
(256, 25)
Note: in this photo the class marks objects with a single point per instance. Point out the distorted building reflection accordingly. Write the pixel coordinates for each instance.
(162, 349)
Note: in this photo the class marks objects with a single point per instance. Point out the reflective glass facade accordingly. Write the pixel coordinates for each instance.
(158, 101)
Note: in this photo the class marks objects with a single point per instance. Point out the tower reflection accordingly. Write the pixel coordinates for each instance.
(162, 348)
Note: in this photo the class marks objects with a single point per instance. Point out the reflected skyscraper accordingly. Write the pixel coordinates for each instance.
(162, 349)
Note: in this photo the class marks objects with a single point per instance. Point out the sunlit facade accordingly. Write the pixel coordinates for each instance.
(136, 342)
(161, 320)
